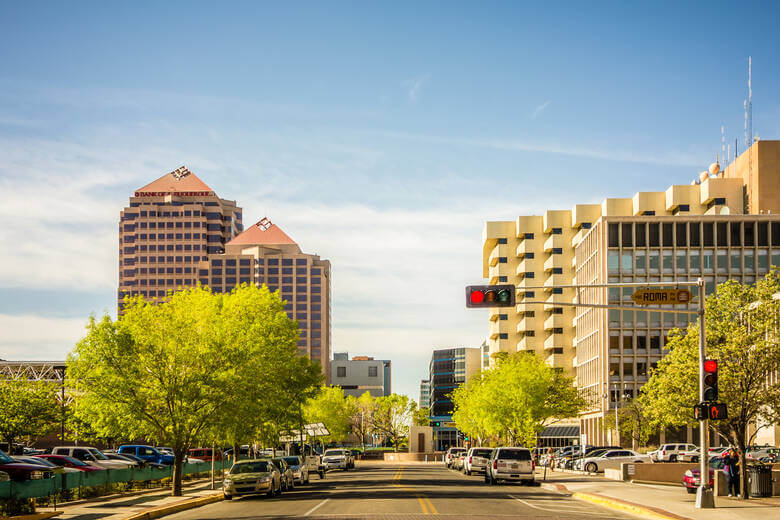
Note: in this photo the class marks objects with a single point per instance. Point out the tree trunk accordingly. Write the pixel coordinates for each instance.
(178, 462)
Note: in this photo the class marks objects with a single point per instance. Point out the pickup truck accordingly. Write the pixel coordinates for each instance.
(147, 453)
(337, 458)
(90, 456)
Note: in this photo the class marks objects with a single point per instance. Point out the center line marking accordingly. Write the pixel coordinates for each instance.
(422, 505)
(313, 509)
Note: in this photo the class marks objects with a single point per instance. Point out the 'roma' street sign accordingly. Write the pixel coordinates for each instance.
(662, 297)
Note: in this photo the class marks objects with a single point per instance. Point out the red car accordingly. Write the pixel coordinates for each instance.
(20, 471)
(69, 462)
(691, 479)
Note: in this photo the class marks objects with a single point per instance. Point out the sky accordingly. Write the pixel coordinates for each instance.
(380, 136)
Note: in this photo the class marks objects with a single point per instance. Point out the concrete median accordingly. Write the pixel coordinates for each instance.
(176, 507)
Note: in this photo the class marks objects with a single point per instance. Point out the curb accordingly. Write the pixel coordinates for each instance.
(38, 516)
(628, 507)
(175, 507)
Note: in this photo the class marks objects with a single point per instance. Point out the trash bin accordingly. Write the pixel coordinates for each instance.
(760, 478)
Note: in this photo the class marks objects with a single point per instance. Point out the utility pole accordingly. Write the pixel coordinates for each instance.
(704, 495)
(617, 423)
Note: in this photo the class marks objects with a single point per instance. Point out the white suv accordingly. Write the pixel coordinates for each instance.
(476, 460)
(452, 454)
(338, 459)
(510, 464)
(672, 452)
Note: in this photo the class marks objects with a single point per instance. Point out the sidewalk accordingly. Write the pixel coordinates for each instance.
(659, 501)
(122, 507)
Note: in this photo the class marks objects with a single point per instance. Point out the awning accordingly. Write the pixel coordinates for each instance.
(561, 432)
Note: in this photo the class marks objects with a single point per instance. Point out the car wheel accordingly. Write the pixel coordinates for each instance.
(591, 467)
(694, 459)
(467, 472)
(673, 458)
(691, 490)
(322, 474)
(228, 497)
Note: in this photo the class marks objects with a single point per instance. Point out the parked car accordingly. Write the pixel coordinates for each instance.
(253, 476)
(298, 467)
(147, 453)
(20, 471)
(510, 464)
(90, 456)
(612, 459)
(476, 459)
(457, 461)
(165, 450)
(122, 458)
(43, 463)
(70, 462)
(691, 479)
(205, 454)
(338, 459)
(288, 475)
(671, 452)
(451, 453)
(578, 464)
(243, 452)
(762, 453)
(4, 477)
(127, 456)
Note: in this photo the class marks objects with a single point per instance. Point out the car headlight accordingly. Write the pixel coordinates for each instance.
(36, 475)
(266, 478)
(227, 481)
(689, 474)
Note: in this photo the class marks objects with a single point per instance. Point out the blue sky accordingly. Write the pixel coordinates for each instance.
(380, 136)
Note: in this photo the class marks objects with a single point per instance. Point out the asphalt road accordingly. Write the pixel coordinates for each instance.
(376, 491)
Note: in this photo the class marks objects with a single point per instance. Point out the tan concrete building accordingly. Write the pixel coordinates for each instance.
(176, 232)
(723, 225)
(264, 254)
(169, 226)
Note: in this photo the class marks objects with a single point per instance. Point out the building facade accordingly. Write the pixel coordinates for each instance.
(425, 394)
(177, 233)
(721, 226)
(168, 228)
(361, 374)
(448, 369)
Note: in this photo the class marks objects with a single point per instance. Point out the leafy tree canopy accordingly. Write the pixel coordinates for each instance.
(27, 408)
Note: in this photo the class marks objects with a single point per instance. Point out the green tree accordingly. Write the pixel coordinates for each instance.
(362, 419)
(199, 365)
(515, 400)
(393, 416)
(421, 416)
(332, 408)
(27, 408)
(634, 421)
(742, 334)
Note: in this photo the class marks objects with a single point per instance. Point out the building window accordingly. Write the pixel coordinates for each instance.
(503, 316)
(529, 274)
(557, 251)
(503, 335)
(341, 371)
(528, 236)
(501, 259)
(557, 231)
(502, 279)
(371, 371)
(502, 240)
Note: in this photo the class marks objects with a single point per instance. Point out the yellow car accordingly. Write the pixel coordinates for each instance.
(249, 477)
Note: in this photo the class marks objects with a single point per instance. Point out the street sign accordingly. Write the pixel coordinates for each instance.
(449, 424)
(662, 296)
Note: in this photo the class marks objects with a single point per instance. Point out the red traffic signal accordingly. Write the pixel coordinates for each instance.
(717, 411)
(478, 296)
(710, 380)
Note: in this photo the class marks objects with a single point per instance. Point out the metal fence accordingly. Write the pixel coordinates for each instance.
(83, 479)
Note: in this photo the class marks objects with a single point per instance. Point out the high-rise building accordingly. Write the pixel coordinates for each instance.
(448, 369)
(724, 225)
(425, 394)
(361, 374)
(177, 233)
(169, 226)
(264, 254)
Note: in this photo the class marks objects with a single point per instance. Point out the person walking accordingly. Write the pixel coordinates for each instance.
(731, 471)
(551, 458)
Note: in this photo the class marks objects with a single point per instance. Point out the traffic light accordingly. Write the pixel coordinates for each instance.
(479, 296)
(436, 424)
(710, 380)
(717, 411)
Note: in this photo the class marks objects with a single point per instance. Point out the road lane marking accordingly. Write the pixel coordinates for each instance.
(422, 505)
(434, 511)
(313, 509)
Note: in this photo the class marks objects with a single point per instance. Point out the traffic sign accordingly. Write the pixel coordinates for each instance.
(662, 296)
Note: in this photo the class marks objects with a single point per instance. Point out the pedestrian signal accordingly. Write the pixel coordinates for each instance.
(717, 411)
(710, 380)
(700, 412)
(478, 296)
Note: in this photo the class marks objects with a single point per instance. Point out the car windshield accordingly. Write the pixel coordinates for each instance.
(5, 459)
(334, 452)
(514, 455)
(75, 462)
(482, 453)
(293, 461)
(250, 467)
(97, 454)
(597, 453)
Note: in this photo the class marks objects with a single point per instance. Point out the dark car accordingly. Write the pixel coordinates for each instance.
(69, 462)
(691, 479)
(19, 471)
(132, 458)
(288, 474)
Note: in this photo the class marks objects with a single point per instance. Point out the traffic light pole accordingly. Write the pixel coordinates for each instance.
(704, 494)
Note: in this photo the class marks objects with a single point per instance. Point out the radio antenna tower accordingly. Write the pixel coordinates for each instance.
(749, 106)
(723, 144)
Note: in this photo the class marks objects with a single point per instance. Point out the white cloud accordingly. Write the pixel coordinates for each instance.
(538, 110)
(413, 86)
(33, 337)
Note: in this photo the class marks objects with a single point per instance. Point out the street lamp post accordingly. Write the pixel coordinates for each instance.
(617, 423)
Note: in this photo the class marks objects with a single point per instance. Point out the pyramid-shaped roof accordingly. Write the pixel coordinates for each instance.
(263, 233)
(179, 180)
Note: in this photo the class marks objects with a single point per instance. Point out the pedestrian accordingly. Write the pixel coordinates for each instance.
(731, 471)
(550, 459)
